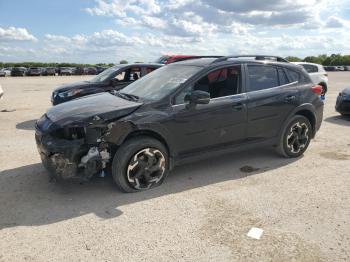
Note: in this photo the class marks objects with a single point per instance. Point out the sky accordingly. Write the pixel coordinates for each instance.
(107, 31)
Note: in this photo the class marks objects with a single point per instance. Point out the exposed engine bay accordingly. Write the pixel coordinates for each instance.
(71, 152)
(72, 145)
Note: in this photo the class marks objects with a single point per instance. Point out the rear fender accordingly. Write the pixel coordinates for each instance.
(302, 110)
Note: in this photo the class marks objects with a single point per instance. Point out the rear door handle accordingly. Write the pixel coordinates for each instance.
(290, 98)
(237, 106)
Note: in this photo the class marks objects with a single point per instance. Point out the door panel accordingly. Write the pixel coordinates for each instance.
(271, 103)
(220, 123)
(267, 110)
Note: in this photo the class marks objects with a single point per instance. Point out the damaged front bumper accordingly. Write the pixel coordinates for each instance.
(67, 159)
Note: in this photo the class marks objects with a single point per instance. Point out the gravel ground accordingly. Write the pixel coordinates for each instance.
(201, 213)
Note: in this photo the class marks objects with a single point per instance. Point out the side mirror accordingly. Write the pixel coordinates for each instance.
(198, 97)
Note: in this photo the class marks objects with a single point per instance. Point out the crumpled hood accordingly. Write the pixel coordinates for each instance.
(81, 84)
(104, 105)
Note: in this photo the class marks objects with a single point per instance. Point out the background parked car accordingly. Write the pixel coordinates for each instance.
(34, 71)
(343, 102)
(317, 74)
(80, 71)
(65, 71)
(92, 71)
(1, 92)
(49, 71)
(339, 68)
(329, 68)
(100, 69)
(114, 78)
(18, 71)
(5, 72)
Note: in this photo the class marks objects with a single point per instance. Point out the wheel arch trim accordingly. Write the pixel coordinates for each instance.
(306, 110)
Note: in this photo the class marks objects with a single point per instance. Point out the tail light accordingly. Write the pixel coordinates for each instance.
(317, 89)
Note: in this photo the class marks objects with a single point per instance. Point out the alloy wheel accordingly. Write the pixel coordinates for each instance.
(298, 137)
(146, 168)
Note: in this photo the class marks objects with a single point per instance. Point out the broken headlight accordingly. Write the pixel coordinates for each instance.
(44, 124)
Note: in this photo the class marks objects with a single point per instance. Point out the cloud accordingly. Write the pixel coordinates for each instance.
(120, 8)
(59, 38)
(104, 8)
(15, 34)
(243, 6)
(144, 29)
(335, 22)
(207, 17)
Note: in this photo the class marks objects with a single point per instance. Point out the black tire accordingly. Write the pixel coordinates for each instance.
(324, 88)
(136, 154)
(295, 137)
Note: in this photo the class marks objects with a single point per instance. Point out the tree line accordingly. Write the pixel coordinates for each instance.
(332, 60)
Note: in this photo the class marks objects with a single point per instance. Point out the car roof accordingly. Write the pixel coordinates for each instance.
(204, 62)
(197, 62)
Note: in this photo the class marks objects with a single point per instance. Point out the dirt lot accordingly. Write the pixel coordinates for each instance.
(202, 212)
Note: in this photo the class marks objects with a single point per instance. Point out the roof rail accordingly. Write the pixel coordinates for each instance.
(256, 57)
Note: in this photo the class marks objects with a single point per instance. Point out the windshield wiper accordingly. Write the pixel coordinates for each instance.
(125, 95)
(133, 97)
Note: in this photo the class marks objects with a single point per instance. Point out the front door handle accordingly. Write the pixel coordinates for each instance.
(290, 98)
(237, 106)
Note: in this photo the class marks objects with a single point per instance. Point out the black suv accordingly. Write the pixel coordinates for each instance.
(113, 78)
(181, 112)
(18, 71)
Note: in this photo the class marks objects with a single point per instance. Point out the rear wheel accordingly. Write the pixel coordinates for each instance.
(295, 138)
(324, 88)
(140, 164)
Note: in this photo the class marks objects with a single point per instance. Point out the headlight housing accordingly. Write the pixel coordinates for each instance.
(69, 93)
(344, 95)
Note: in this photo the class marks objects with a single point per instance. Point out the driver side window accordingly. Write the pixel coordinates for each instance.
(120, 77)
(180, 98)
(218, 83)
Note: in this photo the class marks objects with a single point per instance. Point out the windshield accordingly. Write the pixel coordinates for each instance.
(103, 76)
(161, 82)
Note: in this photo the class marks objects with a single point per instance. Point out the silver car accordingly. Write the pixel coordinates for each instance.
(1, 92)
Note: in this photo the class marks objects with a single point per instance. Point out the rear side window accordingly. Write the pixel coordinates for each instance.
(299, 77)
(293, 76)
(262, 77)
(310, 68)
(283, 80)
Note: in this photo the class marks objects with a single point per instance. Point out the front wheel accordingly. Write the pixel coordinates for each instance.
(139, 164)
(295, 138)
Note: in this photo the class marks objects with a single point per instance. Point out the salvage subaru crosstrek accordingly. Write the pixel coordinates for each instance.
(181, 112)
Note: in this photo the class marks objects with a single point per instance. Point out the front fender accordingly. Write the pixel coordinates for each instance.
(142, 123)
